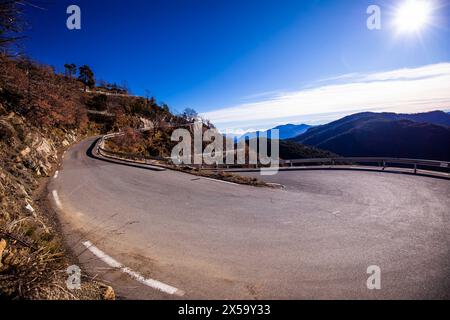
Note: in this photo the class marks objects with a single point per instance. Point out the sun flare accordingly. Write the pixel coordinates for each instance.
(413, 15)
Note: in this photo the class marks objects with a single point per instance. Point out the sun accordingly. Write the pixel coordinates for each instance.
(413, 15)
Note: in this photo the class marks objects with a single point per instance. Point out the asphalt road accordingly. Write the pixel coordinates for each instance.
(213, 240)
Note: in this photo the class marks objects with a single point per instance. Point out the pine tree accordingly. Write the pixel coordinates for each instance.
(86, 77)
(71, 70)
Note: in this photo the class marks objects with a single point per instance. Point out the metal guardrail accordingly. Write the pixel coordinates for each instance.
(337, 161)
(381, 162)
(100, 147)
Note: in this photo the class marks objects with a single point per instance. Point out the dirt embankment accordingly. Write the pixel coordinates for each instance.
(33, 259)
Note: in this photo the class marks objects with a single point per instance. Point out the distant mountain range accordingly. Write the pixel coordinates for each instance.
(422, 135)
(286, 131)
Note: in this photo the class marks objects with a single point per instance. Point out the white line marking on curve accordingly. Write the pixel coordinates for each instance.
(57, 201)
(134, 275)
(56, 175)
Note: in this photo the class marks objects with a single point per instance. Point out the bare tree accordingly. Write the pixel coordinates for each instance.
(10, 22)
(189, 115)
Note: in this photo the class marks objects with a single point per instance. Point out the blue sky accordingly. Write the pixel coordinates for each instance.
(253, 64)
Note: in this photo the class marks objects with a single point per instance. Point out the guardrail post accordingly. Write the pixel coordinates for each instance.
(415, 168)
(384, 165)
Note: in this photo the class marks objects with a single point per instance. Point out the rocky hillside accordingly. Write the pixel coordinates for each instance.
(30, 252)
(41, 114)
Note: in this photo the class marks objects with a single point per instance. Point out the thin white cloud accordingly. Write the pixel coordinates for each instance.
(347, 76)
(403, 90)
(264, 95)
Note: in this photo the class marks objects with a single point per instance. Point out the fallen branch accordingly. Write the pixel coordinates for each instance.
(15, 238)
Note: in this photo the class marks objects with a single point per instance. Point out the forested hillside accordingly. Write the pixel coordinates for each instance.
(422, 136)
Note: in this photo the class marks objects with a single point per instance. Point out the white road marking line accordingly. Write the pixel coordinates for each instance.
(104, 257)
(134, 275)
(56, 175)
(57, 201)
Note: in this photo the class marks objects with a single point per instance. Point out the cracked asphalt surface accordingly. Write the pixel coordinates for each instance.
(314, 240)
